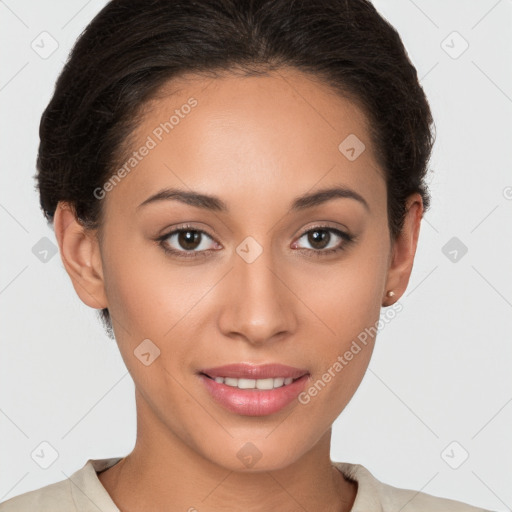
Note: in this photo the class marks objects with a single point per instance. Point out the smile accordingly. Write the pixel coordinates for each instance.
(270, 383)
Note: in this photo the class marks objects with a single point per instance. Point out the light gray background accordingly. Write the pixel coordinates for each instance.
(441, 369)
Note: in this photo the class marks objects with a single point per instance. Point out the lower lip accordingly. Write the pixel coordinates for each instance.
(254, 402)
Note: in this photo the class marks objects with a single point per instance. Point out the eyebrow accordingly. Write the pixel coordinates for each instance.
(214, 203)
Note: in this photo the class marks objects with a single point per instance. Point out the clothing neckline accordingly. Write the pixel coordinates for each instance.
(90, 485)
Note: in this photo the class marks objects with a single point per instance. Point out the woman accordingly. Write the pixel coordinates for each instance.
(238, 187)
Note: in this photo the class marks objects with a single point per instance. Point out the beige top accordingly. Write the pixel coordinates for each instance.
(83, 492)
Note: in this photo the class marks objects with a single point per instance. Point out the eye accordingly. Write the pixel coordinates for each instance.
(325, 240)
(187, 242)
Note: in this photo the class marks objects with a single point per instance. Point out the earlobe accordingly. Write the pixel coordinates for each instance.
(79, 251)
(404, 250)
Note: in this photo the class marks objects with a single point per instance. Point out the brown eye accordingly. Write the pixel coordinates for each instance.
(189, 239)
(324, 240)
(188, 242)
(319, 238)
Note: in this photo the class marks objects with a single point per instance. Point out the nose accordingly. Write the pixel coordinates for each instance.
(259, 307)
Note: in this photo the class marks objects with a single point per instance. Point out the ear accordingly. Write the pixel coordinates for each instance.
(404, 249)
(80, 254)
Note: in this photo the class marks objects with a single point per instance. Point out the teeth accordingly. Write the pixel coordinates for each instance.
(270, 383)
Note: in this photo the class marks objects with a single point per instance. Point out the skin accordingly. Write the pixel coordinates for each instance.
(257, 143)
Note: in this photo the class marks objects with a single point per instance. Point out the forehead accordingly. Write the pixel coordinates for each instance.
(271, 134)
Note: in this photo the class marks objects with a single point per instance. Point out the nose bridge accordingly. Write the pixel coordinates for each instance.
(258, 307)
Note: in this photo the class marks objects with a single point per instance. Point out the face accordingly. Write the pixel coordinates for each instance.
(256, 275)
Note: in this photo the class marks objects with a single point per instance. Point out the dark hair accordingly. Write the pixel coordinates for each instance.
(133, 47)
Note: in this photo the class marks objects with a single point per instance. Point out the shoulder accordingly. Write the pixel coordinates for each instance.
(56, 497)
(81, 492)
(376, 496)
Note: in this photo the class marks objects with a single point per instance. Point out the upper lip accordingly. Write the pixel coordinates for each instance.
(253, 371)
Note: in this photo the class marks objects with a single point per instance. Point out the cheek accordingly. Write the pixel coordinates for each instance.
(345, 297)
(147, 294)
(149, 303)
(347, 301)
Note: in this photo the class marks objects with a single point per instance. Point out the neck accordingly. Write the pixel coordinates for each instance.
(163, 472)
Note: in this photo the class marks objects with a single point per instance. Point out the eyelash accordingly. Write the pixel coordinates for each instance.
(194, 254)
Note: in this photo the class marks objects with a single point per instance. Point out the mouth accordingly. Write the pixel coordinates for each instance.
(254, 390)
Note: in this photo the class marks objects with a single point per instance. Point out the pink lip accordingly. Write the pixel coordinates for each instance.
(251, 371)
(254, 402)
